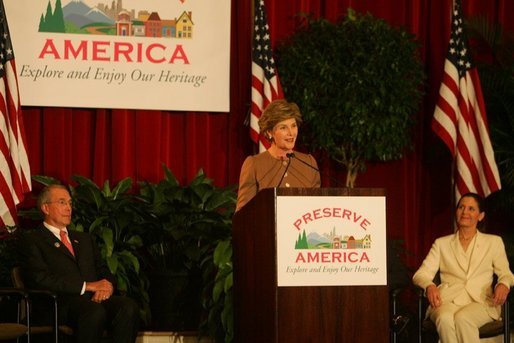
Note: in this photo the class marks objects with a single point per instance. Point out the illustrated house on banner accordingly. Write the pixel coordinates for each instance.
(185, 25)
(336, 242)
(138, 28)
(153, 25)
(123, 24)
(169, 28)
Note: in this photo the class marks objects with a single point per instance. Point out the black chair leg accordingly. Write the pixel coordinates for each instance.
(506, 323)
(420, 319)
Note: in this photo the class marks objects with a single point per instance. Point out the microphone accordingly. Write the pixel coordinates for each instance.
(291, 155)
(287, 167)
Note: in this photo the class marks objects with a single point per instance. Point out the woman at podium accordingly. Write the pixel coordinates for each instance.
(280, 165)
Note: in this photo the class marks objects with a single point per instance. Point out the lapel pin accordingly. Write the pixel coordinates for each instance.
(76, 241)
(57, 245)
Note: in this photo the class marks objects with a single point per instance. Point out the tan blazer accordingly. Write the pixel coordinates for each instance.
(264, 171)
(458, 282)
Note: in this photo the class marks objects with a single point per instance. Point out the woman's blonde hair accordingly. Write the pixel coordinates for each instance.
(277, 111)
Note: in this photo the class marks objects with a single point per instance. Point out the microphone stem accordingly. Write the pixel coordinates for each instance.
(285, 171)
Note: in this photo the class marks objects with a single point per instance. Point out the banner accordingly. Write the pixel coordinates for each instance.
(331, 241)
(131, 54)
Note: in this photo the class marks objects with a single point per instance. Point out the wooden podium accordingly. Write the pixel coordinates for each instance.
(266, 313)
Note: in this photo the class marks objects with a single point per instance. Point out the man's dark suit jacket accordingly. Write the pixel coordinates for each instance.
(47, 264)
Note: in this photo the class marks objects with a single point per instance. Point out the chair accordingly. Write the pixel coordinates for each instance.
(59, 330)
(13, 330)
(427, 329)
(10, 331)
(398, 321)
(51, 297)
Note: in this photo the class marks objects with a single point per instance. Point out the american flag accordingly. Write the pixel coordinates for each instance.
(265, 83)
(14, 163)
(460, 119)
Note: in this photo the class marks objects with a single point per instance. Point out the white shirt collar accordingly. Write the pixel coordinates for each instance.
(54, 230)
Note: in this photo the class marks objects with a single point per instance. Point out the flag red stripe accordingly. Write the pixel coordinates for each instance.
(481, 130)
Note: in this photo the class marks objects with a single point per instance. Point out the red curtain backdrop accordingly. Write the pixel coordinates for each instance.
(105, 144)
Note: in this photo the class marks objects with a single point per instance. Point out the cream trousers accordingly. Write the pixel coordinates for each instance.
(460, 323)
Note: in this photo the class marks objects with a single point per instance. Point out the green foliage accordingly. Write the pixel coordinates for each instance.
(115, 219)
(72, 28)
(189, 230)
(219, 301)
(52, 22)
(358, 83)
(302, 243)
(185, 230)
(185, 222)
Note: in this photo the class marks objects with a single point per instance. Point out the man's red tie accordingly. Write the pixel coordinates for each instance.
(66, 241)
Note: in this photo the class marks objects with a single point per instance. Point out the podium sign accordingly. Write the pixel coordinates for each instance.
(331, 241)
(317, 231)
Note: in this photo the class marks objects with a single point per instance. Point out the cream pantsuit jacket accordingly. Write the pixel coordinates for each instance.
(462, 282)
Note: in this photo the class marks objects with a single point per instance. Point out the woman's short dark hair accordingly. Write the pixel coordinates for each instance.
(478, 198)
(277, 111)
(481, 207)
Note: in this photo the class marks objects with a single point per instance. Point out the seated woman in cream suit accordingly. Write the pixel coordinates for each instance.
(466, 261)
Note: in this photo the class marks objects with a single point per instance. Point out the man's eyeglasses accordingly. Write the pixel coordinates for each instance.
(61, 202)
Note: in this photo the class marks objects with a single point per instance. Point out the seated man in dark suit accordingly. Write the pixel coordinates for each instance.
(69, 263)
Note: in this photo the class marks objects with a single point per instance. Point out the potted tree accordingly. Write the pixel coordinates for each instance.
(358, 83)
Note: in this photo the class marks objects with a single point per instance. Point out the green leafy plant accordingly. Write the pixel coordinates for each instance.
(167, 240)
(189, 232)
(220, 300)
(358, 83)
(189, 218)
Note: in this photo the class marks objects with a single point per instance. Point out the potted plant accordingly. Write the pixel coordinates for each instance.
(167, 238)
(358, 83)
(186, 224)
